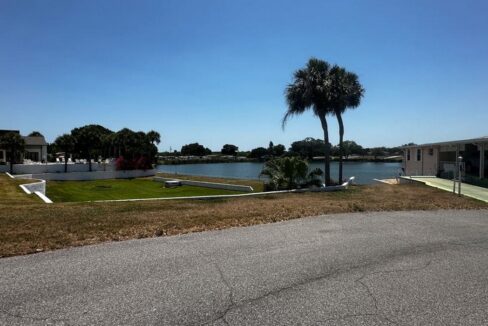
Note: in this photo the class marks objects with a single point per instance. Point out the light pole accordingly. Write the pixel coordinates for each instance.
(460, 170)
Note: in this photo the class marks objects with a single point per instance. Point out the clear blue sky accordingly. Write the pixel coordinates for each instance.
(215, 71)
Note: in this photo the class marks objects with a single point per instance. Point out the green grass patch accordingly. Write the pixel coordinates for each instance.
(79, 191)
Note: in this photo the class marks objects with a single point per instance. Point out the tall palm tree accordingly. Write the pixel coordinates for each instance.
(345, 92)
(154, 136)
(310, 90)
(66, 143)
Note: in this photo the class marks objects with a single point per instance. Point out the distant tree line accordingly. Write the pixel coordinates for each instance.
(307, 148)
(132, 149)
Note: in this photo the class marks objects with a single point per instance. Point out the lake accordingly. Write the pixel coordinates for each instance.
(364, 172)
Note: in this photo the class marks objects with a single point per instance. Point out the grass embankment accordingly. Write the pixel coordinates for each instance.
(12, 195)
(26, 225)
(79, 191)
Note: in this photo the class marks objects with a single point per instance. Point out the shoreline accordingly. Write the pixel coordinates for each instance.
(212, 161)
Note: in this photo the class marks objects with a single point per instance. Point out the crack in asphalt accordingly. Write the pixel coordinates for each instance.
(233, 305)
(231, 296)
(413, 251)
(370, 292)
(15, 315)
(328, 273)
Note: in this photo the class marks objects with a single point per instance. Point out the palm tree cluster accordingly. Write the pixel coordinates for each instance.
(132, 149)
(290, 173)
(326, 90)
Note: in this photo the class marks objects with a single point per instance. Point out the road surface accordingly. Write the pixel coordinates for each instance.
(393, 268)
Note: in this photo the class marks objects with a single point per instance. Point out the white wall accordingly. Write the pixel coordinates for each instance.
(97, 175)
(56, 168)
(36, 186)
(427, 165)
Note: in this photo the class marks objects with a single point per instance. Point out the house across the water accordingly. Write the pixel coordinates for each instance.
(35, 148)
(439, 159)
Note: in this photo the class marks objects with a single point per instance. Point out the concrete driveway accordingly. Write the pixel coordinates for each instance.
(395, 268)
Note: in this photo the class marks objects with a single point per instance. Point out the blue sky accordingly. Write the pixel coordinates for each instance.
(215, 71)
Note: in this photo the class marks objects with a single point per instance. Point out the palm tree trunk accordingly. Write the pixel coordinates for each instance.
(12, 159)
(341, 147)
(89, 161)
(323, 121)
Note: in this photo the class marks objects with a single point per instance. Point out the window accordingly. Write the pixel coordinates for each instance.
(419, 154)
(408, 155)
(1, 155)
(431, 151)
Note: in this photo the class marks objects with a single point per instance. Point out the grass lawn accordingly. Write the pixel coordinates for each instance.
(76, 191)
(27, 225)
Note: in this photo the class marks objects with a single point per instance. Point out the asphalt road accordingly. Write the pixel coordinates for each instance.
(401, 268)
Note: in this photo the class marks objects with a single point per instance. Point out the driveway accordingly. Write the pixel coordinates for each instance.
(394, 268)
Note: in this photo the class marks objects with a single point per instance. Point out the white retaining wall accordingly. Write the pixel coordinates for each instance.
(55, 168)
(35, 187)
(38, 188)
(97, 175)
(213, 185)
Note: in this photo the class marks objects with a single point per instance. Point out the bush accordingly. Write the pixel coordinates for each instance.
(143, 163)
(122, 164)
(139, 163)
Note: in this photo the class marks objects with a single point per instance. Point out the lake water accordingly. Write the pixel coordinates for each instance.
(364, 172)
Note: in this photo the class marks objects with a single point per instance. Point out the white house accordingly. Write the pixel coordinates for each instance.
(439, 159)
(35, 148)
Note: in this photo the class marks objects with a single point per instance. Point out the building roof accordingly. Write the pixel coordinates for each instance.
(34, 140)
(452, 142)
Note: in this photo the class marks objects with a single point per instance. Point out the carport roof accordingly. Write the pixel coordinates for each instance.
(453, 142)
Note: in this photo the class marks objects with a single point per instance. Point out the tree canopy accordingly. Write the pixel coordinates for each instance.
(229, 149)
(308, 147)
(259, 153)
(351, 148)
(35, 134)
(195, 149)
(133, 149)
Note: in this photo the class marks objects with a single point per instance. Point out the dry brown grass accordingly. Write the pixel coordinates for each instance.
(26, 225)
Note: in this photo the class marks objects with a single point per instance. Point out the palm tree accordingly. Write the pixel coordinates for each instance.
(154, 136)
(310, 90)
(289, 173)
(15, 144)
(345, 92)
(66, 143)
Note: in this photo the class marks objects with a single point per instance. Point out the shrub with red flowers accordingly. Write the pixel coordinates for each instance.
(137, 163)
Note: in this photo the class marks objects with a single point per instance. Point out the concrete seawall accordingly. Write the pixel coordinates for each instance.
(212, 185)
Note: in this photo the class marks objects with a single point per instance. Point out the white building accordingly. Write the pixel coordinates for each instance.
(35, 148)
(439, 159)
